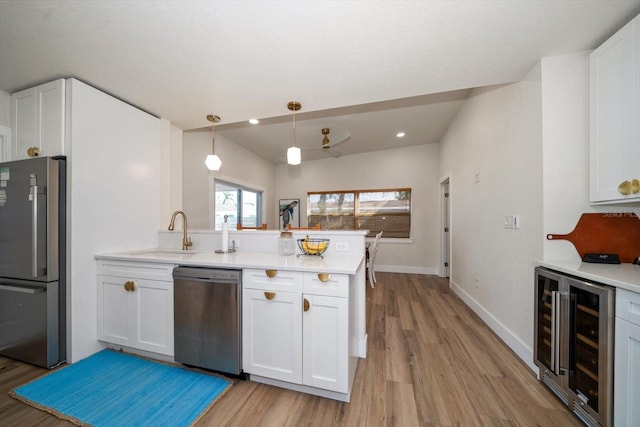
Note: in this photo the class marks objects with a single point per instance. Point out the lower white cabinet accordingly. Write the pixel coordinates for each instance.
(135, 305)
(272, 334)
(627, 360)
(294, 336)
(325, 352)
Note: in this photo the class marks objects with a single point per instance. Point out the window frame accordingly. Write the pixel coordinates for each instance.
(356, 214)
(239, 189)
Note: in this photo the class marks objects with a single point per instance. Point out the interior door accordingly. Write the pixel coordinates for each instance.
(446, 230)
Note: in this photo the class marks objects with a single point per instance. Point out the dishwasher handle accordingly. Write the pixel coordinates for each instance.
(203, 274)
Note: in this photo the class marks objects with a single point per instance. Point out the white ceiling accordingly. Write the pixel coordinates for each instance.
(184, 59)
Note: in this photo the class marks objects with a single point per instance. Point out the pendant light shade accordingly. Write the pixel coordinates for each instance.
(294, 155)
(212, 161)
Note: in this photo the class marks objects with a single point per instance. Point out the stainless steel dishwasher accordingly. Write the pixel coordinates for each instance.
(208, 318)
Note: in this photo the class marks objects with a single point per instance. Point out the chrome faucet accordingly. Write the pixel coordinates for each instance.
(186, 241)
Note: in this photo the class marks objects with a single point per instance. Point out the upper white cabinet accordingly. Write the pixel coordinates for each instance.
(615, 105)
(38, 121)
(5, 143)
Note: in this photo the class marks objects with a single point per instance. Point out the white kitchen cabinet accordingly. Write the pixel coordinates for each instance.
(38, 121)
(5, 143)
(272, 334)
(325, 357)
(135, 305)
(627, 360)
(299, 335)
(614, 128)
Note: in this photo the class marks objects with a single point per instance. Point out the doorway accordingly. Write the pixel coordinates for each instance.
(445, 228)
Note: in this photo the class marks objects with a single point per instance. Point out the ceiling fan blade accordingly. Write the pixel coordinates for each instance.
(333, 153)
(342, 137)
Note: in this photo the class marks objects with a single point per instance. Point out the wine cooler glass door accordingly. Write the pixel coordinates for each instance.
(589, 358)
(547, 287)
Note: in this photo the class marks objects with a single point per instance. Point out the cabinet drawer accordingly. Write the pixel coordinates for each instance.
(136, 270)
(280, 280)
(335, 285)
(628, 306)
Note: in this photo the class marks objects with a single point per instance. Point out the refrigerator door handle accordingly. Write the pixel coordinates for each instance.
(22, 290)
(33, 197)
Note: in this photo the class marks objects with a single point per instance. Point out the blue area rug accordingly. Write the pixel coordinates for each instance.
(117, 389)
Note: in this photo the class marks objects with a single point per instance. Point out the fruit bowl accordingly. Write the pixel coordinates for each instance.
(313, 246)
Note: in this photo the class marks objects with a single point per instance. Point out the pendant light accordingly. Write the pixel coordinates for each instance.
(294, 156)
(212, 161)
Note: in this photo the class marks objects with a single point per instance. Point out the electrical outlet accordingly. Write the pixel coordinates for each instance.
(236, 242)
(477, 283)
(342, 246)
(516, 222)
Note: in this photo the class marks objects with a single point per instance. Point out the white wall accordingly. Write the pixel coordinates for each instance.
(565, 117)
(565, 106)
(171, 176)
(497, 135)
(239, 166)
(114, 160)
(415, 167)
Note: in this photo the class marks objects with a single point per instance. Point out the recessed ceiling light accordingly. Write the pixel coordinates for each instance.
(400, 134)
(254, 121)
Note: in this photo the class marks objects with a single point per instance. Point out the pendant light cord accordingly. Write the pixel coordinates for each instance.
(294, 127)
(213, 138)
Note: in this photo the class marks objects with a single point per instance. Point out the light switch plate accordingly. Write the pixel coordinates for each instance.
(508, 221)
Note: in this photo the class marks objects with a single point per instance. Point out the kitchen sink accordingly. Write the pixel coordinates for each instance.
(162, 252)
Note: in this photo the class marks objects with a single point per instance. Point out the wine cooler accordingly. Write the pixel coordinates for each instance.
(574, 343)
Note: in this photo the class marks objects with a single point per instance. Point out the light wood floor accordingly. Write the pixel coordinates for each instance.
(431, 362)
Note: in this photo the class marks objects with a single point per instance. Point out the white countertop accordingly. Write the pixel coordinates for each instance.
(337, 264)
(625, 276)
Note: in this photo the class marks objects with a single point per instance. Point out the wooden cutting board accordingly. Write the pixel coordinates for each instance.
(606, 233)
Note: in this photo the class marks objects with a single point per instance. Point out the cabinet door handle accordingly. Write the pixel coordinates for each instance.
(129, 286)
(271, 273)
(269, 295)
(306, 305)
(324, 277)
(625, 188)
(33, 151)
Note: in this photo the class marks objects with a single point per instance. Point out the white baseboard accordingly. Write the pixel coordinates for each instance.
(406, 269)
(524, 352)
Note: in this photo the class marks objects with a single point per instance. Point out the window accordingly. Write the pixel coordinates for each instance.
(237, 202)
(373, 210)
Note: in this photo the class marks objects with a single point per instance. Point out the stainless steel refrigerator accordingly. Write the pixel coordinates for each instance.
(32, 260)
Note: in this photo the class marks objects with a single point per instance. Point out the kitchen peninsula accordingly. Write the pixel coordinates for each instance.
(314, 306)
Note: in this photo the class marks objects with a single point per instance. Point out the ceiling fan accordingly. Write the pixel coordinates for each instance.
(328, 144)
